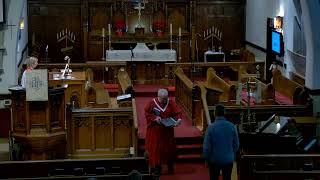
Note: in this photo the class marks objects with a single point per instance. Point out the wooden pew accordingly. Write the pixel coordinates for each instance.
(214, 81)
(289, 88)
(279, 166)
(267, 90)
(246, 55)
(193, 98)
(113, 168)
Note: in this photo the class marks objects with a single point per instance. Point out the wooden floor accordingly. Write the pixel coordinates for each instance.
(4, 149)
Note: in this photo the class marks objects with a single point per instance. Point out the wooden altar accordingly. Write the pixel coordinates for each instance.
(39, 126)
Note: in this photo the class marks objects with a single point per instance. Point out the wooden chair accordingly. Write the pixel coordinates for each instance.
(97, 96)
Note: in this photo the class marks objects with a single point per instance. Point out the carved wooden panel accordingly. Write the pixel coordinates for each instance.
(104, 133)
(228, 17)
(48, 19)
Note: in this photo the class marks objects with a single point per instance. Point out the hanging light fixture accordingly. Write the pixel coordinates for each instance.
(21, 23)
(278, 22)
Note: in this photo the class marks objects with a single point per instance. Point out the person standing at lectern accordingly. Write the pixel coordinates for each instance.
(160, 142)
(32, 63)
(220, 145)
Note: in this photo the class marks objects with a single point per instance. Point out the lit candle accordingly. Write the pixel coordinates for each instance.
(109, 29)
(179, 31)
(170, 29)
(103, 32)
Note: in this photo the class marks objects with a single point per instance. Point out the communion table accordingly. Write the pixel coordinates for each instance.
(142, 53)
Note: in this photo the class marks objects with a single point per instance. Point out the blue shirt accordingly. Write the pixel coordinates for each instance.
(221, 142)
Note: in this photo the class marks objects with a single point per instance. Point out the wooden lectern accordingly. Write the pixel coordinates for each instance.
(39, 126)
(75, 94)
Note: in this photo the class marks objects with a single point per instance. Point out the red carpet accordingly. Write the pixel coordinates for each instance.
(184, 130)
(144, 94)
(187, 171)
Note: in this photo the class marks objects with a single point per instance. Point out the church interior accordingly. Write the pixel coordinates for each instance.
(82, 112)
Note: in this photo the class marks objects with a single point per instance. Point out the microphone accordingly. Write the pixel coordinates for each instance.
(132, 55)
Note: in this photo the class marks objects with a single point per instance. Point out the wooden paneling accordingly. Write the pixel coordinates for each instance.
(224, 15)
(87, 18)
(101, 133)
(46, 19)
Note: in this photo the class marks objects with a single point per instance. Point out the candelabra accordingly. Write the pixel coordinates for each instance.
(212, 33)
(103, 51)
(109, 36)
(66, 36)
(179, 41)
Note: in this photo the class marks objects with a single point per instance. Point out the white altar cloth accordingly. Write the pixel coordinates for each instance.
(142, 53)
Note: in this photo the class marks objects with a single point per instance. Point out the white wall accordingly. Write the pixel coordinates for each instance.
(10, 42)
(257, 12)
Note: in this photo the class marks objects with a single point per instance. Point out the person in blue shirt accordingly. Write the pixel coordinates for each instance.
(220, 145)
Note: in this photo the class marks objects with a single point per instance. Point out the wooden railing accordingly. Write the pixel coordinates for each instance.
(280, 166)
(184, 94)
(192, 97)
(205, 120)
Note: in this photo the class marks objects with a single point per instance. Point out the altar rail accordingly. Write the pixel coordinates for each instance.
(201, 68)
(113, 168)
(94, 133)
(280, 166)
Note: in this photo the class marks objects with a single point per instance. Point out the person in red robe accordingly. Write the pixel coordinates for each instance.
(160, 143)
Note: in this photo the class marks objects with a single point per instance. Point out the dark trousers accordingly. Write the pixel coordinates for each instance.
(215, 169)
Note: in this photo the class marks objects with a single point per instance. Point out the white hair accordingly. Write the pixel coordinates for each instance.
(162, 93)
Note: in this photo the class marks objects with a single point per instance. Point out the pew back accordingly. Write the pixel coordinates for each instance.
(79, 169)
(214, 81)
(286, 87)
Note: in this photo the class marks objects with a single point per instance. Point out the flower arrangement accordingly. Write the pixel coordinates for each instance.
(119, 27)
(158, 27)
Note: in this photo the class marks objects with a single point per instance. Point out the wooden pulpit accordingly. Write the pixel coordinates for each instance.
(75, 93)
(38, 127)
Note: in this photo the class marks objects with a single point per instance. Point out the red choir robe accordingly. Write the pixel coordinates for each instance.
(159, 142)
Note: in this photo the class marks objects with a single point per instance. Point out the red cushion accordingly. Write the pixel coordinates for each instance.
(245, 98)
(171, 88)
(111, 86)
(282, 99)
